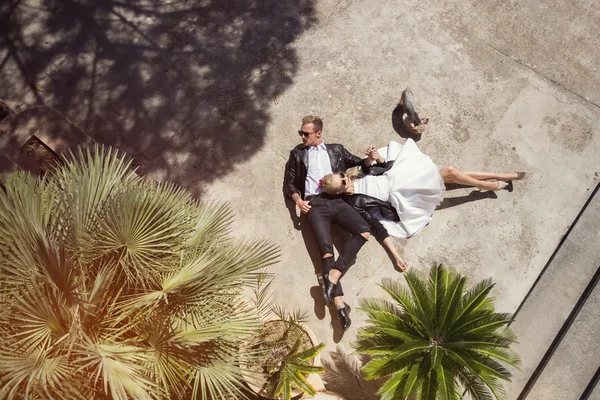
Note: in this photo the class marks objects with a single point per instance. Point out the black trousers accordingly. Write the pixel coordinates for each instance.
(332, 209)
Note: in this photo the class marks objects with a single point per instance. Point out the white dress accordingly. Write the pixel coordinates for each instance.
(413, 186)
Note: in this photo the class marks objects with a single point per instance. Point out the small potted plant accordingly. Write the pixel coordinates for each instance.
(289, 353)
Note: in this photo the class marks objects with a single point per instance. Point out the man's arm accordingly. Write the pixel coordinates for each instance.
(289, 178)
(350, 160)
(289, 184)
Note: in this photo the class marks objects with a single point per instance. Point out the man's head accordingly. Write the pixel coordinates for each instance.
(311, 131)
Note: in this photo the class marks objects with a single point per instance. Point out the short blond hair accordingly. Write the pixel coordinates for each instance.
(327, 184)
(327, 181)
(313, 119)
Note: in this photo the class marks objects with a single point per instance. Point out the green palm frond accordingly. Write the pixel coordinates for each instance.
(452, 295)
(211, 224)
(144, 225)
(220, 380)
(308, 354)
(120, 369)
(114, 286)
(435, 340)
(292, 318)
(420, 295)
(262, 294)
(412, 309)
(475, 299)
(36, 372)
(37, 321)
(390, 388)
(89, 180)
(23, 218)
(445, 383)
(293, 369)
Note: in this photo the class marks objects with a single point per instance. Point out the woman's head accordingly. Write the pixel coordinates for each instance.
(337, 184)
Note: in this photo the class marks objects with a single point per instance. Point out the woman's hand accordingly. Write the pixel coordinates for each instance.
(373, 155)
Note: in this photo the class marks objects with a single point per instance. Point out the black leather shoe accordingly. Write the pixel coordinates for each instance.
(328, 288)
(344, 314)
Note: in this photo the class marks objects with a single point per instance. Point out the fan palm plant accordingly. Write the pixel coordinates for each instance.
(436, 340)
(117, 287)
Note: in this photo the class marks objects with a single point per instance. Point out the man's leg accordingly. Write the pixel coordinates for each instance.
(319, 218)
(346, 217)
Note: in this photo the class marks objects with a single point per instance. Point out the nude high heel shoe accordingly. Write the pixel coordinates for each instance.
(501, 185)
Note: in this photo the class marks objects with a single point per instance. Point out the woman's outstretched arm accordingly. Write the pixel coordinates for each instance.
(388, 243)
(380, 233)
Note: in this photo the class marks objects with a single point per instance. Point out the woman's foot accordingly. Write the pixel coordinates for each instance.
(501, 185)
(492, 186)
(520, 175)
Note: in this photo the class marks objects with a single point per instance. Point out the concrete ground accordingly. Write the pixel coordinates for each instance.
(210, 94)
(567, 290)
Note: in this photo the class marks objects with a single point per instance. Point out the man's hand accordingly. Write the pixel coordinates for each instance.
(304, 206)
(373, 154)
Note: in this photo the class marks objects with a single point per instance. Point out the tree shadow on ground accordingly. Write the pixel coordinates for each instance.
(343, 376)
(159, 80)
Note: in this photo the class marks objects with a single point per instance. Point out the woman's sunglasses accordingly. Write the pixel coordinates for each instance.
(343, 176)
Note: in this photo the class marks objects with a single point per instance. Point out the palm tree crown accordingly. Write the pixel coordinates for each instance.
(117, 287)
(436, 340)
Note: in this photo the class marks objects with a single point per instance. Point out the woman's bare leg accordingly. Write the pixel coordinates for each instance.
(453, 175)
(398, 261)
(488, 175)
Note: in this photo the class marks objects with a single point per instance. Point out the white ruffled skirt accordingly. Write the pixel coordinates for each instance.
(415, 188)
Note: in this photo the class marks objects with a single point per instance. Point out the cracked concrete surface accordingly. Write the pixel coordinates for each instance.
(210, 95)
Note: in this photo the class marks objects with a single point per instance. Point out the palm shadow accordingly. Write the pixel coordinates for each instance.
(343, 376)
(183, 86)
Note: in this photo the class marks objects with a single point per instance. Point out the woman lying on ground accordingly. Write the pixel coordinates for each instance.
(413, 185)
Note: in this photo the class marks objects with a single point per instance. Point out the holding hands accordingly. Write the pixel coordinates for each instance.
(372, 153)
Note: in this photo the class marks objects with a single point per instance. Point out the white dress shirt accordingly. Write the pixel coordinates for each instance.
(319, 165)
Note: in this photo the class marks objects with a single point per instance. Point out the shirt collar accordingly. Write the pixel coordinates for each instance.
(319, 147)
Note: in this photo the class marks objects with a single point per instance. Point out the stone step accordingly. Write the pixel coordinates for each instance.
(5, 111)
(595, 395)
(7, 166)
(27, 163)
(592, 391)
(554, 296)
(32, 139)
(576, 358)
(48, 125)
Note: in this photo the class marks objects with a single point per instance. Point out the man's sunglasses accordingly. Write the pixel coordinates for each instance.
(343, 177)
(305, 134)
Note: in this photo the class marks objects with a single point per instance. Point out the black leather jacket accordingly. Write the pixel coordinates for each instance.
(296, 166)
(366, 205)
